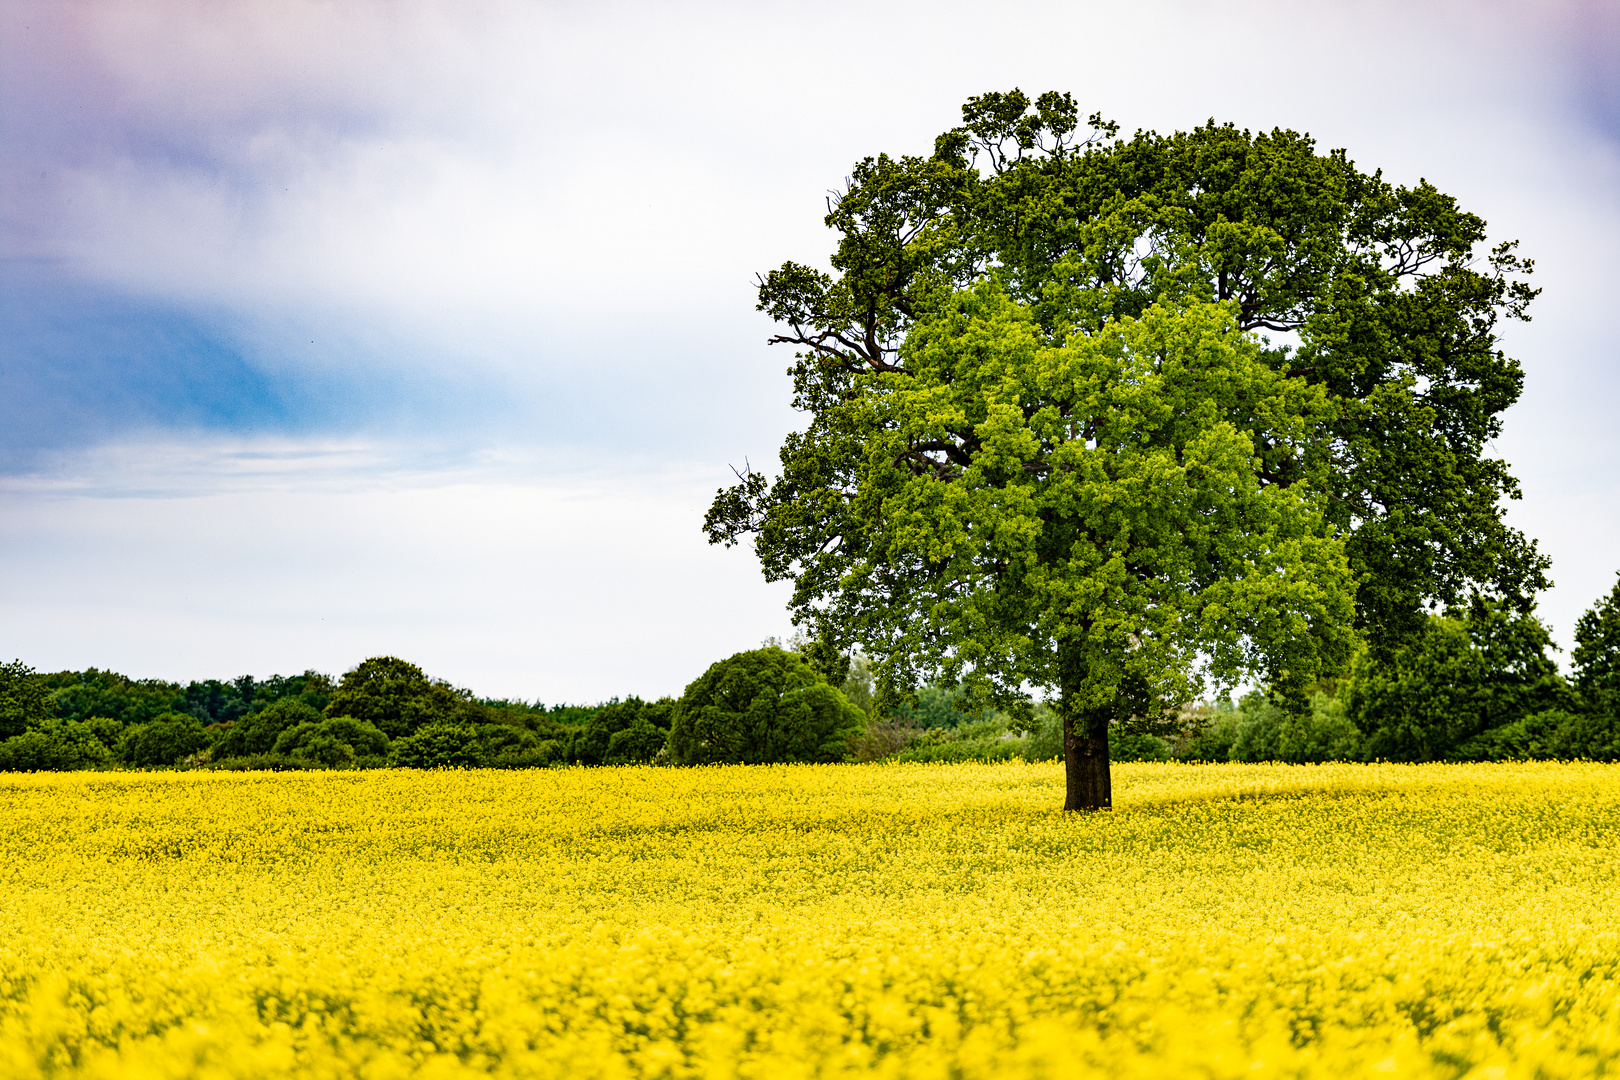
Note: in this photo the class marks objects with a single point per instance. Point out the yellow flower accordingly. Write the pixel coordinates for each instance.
(816, 921)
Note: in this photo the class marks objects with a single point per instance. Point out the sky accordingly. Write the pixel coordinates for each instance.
(331, 330)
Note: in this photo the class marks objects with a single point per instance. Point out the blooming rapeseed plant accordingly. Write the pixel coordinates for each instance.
(896, 920)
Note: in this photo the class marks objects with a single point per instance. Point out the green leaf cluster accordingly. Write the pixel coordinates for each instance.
(763, 706)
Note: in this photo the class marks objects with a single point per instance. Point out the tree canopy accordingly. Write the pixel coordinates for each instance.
(395, 696)
(1469, 672)
(759, 707)
(22, 699)
(1084, 410)
(1597, 654)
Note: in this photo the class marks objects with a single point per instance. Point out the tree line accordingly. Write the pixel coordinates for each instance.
(764, 705)
(1475, 684)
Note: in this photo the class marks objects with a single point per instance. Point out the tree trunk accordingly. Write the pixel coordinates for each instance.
(1085, 761)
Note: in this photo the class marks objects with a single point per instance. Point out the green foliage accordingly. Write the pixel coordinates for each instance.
(438, 745)
(213, 701)
(984, 739)
(257, 732)
(259, 763)
(506, 745)
(35, 751)
(1596, 655)
(939, 707)
(1128, 745)
(107, 698)
(1467, 673)
(312, 688)
(1550, 734)
(54, 745)
(553, 722)
(765, 705)
(828, 659)
(95, 718)
(1214, 733)
(858, 685)
(397, 698)
(1044, 741)
(1265, 731)
(1085, 513)
(76, 695)
(23, 701)
(334, 742)
(166, 740)
(638, 744)
(641, 729)
(960, 750)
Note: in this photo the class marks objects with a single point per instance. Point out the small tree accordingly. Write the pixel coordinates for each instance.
(166, 740)
(623, 732)
(763, 706)
(23, 702)
(638, 744)
(58, 745)
(1596, 655)
(395, 697)
(335, 741)
(257, 732)
(1470, 672)
(438, 745)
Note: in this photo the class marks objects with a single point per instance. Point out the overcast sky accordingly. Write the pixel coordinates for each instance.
(339, 329)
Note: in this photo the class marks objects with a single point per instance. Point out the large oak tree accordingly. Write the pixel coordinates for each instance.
(1084, 412)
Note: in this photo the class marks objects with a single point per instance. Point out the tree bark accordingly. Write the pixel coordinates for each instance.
(1085, 762)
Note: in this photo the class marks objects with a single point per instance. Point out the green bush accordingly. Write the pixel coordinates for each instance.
(1258, 729)
(988, 739)
(1045, 739)
(81, 695)
(637, 744)
(624, 732)
(762, 706)
(1213, 741)
(167, 740)
(336, 742)
(1553, 734)
(55, 746)
(257, 732)
(438, 745)
(506, 745)
(961, 750)
(938, 707)
(1268, 732)
(1137, 746)
(543, 753)
(260, 762)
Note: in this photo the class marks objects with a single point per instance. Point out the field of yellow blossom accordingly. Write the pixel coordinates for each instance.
(777, 922)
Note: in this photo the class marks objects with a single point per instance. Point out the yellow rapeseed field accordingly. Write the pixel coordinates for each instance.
(916, 921)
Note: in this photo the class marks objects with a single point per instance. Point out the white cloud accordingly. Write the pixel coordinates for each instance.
(564, 204)
(274, 557)
(449, 166)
